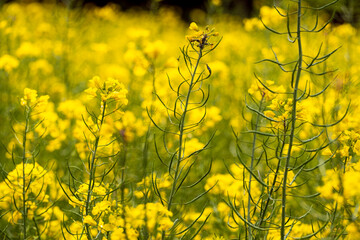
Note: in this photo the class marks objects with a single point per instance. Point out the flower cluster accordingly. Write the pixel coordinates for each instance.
(31, 99)
(8, 63)
(343, 193)
(350, 145)
(281, 110)
(39, 197)
(201, 37)
(111, 219)
(109, 89)
(259, 91)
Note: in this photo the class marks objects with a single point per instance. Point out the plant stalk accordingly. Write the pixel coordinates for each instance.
(181, 135)
(181, 131)
(293, 122)
(24, 188)
(92, 171)
(252, 166)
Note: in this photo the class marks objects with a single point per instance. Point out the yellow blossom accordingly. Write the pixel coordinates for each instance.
(194, 26)
(8, 63)
(89, 220)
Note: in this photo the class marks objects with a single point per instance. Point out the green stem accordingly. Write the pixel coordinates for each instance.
(293, 122)
(24, 189)
(181, 135)
(252, 165)
(146, 158)
(181, 131)
(276, 174)
(122, 188)
(92, 172)
(37, 229)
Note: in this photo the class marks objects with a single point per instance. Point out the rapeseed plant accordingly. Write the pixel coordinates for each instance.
(284, 157)
(190, 97)
(56, 48)
(29, 192)
(98, 148)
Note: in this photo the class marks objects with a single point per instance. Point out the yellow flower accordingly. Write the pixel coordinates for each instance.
(28, 49)
(8, 63)
(199, 38)
(269, 114)
(194, 26)
(23, 102)
(101, 207)
(96, 82)
(89, 220)
(91, 92)
(270, 16)
(76, 227)
(109, 89)
(41, 66)
(356, 148)
(118, 234)
(30, 96)
(154, 49)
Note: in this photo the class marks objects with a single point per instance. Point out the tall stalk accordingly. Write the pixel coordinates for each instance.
(92, 168)
(252, 165)
(293, 120)
(284, 120)
(186, 92)
(182, 124)
(24, 187)
(181, 130)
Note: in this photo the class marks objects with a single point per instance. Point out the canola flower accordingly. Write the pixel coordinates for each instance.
(200, 37)
(57, 63)
(8, 63)
(29, 192)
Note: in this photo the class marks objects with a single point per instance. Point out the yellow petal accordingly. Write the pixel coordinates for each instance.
(194, 26)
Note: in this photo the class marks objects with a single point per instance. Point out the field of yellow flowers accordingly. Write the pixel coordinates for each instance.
(138, 125)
